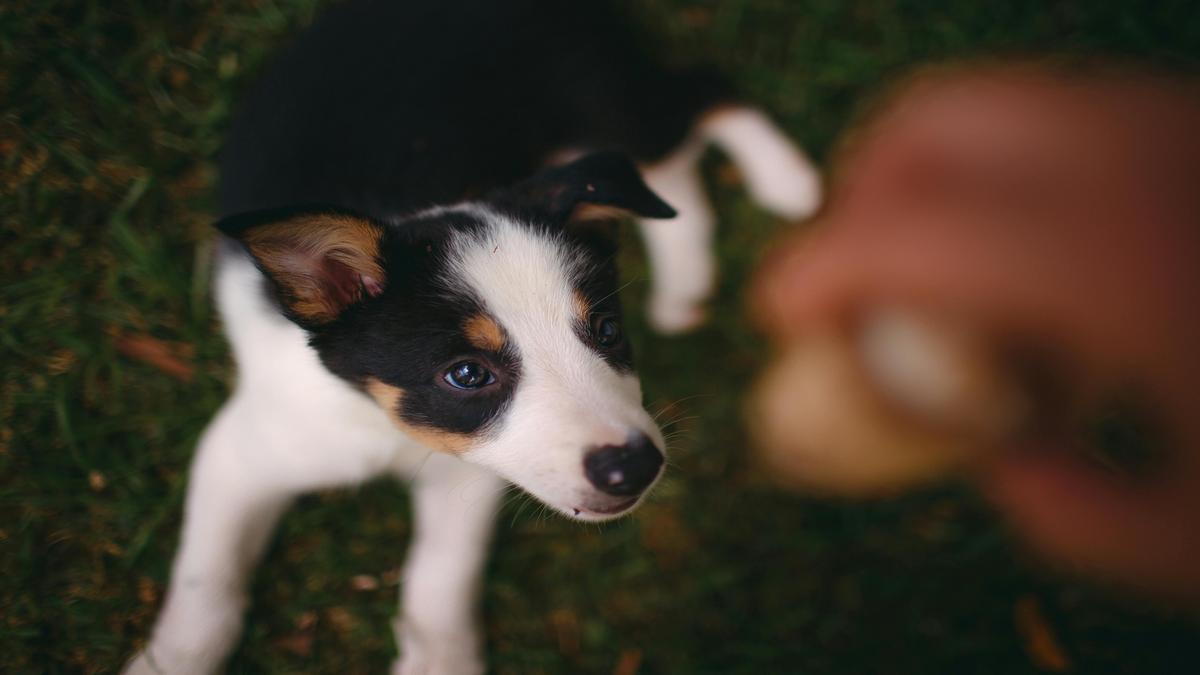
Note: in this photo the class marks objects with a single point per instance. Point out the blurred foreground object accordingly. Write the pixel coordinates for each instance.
(1006, 282)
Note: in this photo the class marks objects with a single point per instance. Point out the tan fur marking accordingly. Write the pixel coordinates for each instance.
(716, 112)
(292, 251)
(389, 397)
(484, 333)
(583, 309)
(588, 212)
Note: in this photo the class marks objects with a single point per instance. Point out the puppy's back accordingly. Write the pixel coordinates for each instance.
(388, 107)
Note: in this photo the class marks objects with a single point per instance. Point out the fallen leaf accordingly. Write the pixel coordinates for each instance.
(341, 619)
(306, 620)
(364, 582)
(628, 662)
(696, 17)
(155, 353)
(1041, 643)
(147, 591)
(666, 535)
(566, 631)
(299, 644)
(62, 361)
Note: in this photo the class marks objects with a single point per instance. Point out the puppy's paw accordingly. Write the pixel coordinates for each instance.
(441, 652)
(141, 664)
(443, 663)
(671, 316)
(161, 659)
(147, 663)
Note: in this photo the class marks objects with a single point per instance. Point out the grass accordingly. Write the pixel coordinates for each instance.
(111, 364)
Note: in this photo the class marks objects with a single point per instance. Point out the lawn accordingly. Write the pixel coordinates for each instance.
(111, 363)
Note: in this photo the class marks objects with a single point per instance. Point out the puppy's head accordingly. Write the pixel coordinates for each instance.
(490, 329)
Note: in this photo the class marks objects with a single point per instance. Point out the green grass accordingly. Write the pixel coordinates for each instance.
(111, 115)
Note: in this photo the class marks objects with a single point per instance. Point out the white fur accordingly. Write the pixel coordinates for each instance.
(777, 175)
(681, 250)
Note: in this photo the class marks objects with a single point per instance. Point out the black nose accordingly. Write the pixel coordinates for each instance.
(623, 469)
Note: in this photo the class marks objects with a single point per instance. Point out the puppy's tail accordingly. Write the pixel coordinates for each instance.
(777, 174)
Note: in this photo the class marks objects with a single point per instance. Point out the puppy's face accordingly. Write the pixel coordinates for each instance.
(491, 330)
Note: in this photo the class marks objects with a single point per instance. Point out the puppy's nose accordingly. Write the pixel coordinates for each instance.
(623, 469)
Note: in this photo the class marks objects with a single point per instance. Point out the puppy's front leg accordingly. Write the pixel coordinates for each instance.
(228, 519)
(454, 504)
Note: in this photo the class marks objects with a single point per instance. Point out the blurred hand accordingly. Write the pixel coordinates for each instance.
(1061, 209)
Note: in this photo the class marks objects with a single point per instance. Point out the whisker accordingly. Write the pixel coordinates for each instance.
(619, 289)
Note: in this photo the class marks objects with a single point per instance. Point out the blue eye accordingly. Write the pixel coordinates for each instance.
(468, 375)
(607, 331)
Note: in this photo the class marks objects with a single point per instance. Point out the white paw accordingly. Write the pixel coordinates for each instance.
(141, 664)
(158, 663)
(158, 659)
(670, 316)
(441, 664)
(448, 652)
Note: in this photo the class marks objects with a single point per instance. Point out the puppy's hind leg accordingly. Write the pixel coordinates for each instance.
(777, 174)
(683, 263)
(229, 515)
(683, 266)
(437, 632)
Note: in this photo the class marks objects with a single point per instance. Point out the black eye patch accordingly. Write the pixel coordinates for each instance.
(598, 305)
(400, 346)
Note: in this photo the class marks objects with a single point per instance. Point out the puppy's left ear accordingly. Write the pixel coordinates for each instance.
(320, 261)
(601, 185)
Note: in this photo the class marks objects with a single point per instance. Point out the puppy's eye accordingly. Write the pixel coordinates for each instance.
(468, 375)
(607, 331)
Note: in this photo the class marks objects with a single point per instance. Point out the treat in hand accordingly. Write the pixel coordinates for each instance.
(1004, 285)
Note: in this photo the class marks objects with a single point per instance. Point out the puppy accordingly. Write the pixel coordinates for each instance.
(411, 286)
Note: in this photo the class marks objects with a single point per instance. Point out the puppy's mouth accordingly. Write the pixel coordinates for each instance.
(604, 511)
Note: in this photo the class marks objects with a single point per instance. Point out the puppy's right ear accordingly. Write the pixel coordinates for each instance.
(319, 261)
(596, 186)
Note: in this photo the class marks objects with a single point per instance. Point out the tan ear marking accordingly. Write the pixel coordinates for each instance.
(588, 212)
(321, 263)
(390, 397)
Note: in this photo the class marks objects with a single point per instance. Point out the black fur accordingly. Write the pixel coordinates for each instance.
(598, 285)
(601, 179)
(413, 332)
(387, 107)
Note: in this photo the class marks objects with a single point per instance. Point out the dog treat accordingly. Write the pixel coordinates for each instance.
(895, 398)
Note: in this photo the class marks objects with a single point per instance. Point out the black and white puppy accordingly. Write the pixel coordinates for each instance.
(410, 287)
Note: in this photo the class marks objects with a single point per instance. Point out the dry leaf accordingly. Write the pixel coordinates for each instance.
(566, 631)
(628, 662)
(666, 535)
(299, 644)
(341, 619)
(156, 353)
(1041, 643)
(364, 582)
(147, 591)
